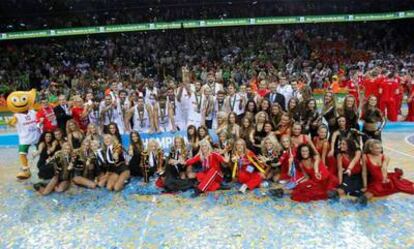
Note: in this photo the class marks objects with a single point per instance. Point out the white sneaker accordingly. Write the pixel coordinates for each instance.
(264, 184)
(243, 189)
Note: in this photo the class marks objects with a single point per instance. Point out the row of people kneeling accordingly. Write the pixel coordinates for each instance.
(295, 169)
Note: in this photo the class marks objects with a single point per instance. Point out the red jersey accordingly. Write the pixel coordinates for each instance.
(263, 92)
(49, 119)
(371, 86)
(352, 88)
(77, 116)
(389, 88)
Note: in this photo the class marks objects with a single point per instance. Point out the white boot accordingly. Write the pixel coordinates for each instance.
(243, 189)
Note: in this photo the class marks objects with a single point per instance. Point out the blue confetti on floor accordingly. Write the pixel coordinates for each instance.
(141, 216)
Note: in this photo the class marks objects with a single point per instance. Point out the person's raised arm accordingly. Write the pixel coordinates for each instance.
(128, 116)
(193, 160)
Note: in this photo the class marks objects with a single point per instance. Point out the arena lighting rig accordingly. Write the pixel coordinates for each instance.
(208, 23)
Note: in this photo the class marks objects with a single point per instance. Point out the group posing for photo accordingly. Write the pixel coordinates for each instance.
(273, 135)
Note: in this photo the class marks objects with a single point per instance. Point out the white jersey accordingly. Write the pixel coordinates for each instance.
(164, 121)
(142, 122)
(120, 118)
(215, 88)
(27, 128)
(207, 107)
(93, 115)
(218, 107)
(178, 114)
(184, 104)
(194, 110)
(114, 115)
(235, 104)
(150, 95)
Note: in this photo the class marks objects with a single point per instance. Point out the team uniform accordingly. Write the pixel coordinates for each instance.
(194, 110)
(164, 120)
(218, 107)
(207, 110)
(235, 104)
(142, 119)
(113, 115)
(388, 98)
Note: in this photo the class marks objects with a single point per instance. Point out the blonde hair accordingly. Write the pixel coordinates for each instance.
(89, 128)
(68, 130)
(95, 142)
(222, 115)
(183, 148)
(206, 143)
(369, 144)
(150, 143)
(243, 143)
(275, 144)
(256, 118)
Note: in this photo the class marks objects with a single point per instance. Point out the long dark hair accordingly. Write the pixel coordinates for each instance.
(254, 104)
(42, 138)
(352, 148)
(117, 134)
(198, 131)
(192, 138)
(138, 145)
(299, 152)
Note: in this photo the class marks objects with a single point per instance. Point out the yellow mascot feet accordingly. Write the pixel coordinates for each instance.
(24, 174)
(25, 171)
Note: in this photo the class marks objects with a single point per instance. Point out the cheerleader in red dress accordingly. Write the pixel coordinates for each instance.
(376, 180)
(286, 158)
(349, 170)
(318, 180)
(248, 174)
(284, 126)
(321, 143)
(298, 138)
(210, 177)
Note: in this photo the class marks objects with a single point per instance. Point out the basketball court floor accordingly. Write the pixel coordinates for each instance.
(142, 217)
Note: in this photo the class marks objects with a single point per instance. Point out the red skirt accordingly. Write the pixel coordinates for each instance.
(396, 184)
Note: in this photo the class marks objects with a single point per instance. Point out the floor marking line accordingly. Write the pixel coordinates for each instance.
(407, 141)
(147, 217)
(399, 152)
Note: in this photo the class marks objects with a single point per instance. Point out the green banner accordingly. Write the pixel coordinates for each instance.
(208, 23)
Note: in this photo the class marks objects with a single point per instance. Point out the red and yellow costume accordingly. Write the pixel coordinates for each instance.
(247, 173)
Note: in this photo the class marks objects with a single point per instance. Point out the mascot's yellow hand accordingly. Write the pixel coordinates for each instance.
(21, 101)
(12, 122)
